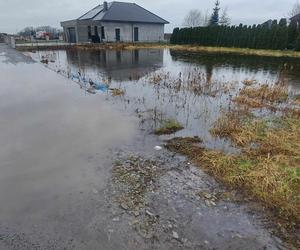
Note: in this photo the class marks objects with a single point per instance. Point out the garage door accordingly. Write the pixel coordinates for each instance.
(72, 35)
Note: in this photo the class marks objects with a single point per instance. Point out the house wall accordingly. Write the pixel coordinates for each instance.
(82, 31)
(69, 24)
(147, 32)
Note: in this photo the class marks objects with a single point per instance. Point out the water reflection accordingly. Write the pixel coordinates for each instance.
(161, 84)
(117, 65)
(271, 67)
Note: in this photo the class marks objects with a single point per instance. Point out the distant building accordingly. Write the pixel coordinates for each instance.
(115, 22)
(296, 20)
(43, 35)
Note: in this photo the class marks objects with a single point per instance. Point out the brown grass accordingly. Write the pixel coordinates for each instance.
(248, 82)
(268, 165)
(296, 100)
(262, 96)
(273, 148)
(273, 179)
(117, 92)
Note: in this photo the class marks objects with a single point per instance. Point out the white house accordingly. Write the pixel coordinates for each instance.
(115, 22)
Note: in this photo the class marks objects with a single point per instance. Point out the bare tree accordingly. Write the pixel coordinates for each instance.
(295, 10)
(225, 19)
(206, 18)
(193, 19)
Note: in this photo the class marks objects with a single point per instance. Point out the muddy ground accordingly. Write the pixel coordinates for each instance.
(76, 173)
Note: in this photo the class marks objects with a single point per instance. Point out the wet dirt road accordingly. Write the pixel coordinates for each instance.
(58, 148)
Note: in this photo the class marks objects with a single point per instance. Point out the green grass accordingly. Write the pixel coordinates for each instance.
(169, 127)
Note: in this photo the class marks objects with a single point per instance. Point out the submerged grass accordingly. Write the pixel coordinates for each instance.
(169, 127)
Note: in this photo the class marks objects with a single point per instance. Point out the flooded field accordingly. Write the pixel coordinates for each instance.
(158, 85)
(82, 165)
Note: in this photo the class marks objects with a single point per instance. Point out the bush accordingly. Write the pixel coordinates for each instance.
(276, 36)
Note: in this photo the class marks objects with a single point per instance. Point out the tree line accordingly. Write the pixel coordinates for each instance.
(275, 35)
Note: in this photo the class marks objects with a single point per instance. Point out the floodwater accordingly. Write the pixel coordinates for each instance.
(161, 84)
(55, 147)
(59, 142)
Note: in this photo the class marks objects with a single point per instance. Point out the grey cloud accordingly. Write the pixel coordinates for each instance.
(17, 14)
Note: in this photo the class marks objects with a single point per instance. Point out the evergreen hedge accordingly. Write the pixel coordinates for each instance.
(277, 36)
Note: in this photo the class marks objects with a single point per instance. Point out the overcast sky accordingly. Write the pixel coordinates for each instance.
(17, 14)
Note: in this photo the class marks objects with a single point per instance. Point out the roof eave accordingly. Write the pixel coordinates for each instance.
(123, 21)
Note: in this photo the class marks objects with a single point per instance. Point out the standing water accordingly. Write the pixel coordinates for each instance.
(61, 140)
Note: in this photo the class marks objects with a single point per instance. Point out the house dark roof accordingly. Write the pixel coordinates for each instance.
(122, 12)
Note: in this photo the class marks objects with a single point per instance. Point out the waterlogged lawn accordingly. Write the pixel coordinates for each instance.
(268, 165)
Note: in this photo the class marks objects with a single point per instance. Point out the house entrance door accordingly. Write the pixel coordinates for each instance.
(136, 34)
(118, 35)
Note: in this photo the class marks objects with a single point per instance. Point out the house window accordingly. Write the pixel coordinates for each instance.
(89, 32)
(102, 32)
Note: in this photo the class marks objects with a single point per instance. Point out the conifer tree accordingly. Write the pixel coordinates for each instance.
(214, 20)
(297, 43)
(174, 38)
(292, 35)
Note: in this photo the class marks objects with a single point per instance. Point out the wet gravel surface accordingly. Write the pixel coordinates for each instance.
(108, 192)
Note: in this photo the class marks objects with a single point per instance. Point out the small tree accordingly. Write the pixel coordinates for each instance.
(225, 19)
(214, 20)
(206, 18)
(295, 10)
(193, 19)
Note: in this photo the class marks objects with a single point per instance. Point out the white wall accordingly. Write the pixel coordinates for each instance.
(147, 32)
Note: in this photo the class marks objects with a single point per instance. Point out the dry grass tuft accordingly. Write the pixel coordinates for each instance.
(262, 96)
(117, 92)
(296, 100)
(249, 82)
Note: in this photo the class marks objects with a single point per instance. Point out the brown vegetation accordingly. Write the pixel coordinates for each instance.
(117, 92)
(267, 167)
(262, 96)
